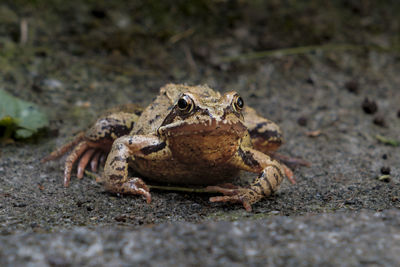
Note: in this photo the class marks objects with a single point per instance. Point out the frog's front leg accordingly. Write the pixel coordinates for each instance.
(116, 177)
(271, 174)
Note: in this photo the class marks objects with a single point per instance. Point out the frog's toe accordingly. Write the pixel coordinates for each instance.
(134, 186)
(83, 162)
(147, 195)
(71, 159)
(289, 174)
(234, 194)
(238, 198)
(67, 175)
(103, 158)
(139, 187)
(94, 163)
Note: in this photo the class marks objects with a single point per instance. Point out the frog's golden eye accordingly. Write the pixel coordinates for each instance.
(185, 103)
(238, 103)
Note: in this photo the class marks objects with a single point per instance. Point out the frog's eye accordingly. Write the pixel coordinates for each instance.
(238, 103)
(185, 103)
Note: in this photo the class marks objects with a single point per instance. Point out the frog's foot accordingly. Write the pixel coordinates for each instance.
(135, 186)
(289, 173)
(95, 156)
(84, 152)
(245, 196)
(93, 145)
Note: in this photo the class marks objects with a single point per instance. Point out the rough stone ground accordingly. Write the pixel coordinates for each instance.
(340, 239)
(338, 213)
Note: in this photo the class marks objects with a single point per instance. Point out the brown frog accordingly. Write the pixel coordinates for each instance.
(188, 135)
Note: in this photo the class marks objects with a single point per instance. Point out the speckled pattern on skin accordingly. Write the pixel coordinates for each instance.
(190, 135)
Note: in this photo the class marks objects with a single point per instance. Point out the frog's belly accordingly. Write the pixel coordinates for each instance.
(174, 172)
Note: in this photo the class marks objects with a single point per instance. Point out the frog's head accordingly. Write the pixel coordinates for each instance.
(204, 126)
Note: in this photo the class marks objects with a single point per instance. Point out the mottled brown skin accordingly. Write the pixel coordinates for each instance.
(188, 135)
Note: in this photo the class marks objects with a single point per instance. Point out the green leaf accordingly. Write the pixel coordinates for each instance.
(22, 117)
(387, 141)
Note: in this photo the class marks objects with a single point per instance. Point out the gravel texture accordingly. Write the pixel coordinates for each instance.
(340, 239)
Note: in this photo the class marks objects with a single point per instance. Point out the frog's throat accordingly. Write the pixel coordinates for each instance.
(209, 127)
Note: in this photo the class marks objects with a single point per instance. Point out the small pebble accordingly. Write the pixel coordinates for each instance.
(120, 218)
(20, 205)
(37, 88)
(89, 208)
(98, 13)
(352, 86)
(384, 156)
(369, 106)
(302, 121)
(385, 170)
(384, 178)
(41, 53)
(52, 83)
(380, 121)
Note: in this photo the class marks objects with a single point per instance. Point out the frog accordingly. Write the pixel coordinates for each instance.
(189, 136)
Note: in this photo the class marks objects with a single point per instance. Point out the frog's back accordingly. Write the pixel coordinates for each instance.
(155, 113)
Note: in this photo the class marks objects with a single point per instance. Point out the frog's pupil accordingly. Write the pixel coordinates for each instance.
(240, 102)
(182, 103)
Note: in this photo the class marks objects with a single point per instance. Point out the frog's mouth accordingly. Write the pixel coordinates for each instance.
(211, 127)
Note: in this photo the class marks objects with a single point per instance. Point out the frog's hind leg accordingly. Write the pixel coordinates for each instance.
(271, 174)
(266, 136)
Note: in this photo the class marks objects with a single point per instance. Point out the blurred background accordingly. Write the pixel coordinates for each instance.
(152, 42)
(50, 51)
